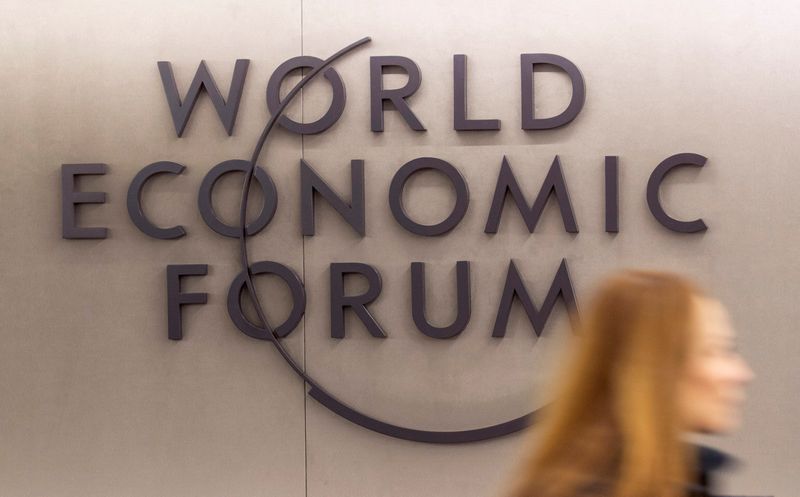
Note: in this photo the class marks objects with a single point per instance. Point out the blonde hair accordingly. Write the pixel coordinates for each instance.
(614, 425)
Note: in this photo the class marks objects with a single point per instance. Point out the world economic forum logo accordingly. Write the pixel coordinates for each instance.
(353, 212)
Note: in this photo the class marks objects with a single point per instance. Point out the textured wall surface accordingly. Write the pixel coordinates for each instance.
(96, 401)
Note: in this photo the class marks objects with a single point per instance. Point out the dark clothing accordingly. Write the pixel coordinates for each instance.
(709, 461)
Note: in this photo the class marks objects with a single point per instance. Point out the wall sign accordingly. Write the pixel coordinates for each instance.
(313, 187)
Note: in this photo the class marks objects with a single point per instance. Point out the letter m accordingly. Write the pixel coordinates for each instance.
(226, 108)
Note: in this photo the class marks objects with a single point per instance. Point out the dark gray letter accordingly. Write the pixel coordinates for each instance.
(175, 299)
(418, 302)
(554, 184)
(337, 104)
(353, 213)
(398, 97)
(612, 194)
(396, 196)
(460, 120)
(527, 63)
(135, 210)
(226, 109)
(298, 297)
(70, 197)
(207, 209)
(654, 184)
(515, 287)
(358, 303)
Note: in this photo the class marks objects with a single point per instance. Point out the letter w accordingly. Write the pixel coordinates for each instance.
(226, 108)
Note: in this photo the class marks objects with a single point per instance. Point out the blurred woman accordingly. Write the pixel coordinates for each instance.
(655, 359)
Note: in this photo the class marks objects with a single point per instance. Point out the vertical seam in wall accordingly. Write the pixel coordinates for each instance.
(303, 244)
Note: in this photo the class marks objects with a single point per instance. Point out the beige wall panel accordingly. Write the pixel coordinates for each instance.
(714, 79)
(97, 401)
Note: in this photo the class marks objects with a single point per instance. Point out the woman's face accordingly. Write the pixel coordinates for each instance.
(712, 390)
